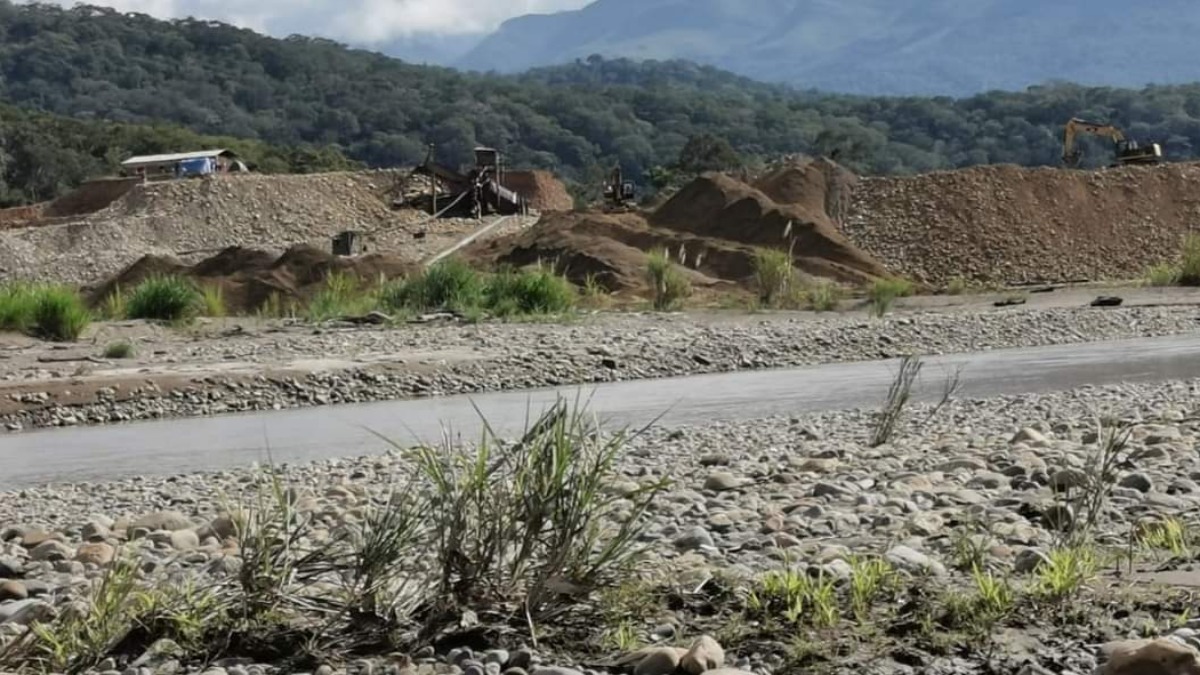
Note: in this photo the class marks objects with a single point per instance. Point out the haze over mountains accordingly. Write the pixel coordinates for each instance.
(953, 47)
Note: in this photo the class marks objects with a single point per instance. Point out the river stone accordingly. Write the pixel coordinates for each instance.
(95, 553)
(94, 531)
(51, 550)
(554, 670)
(12, 590)
(184, 540)
(694, 538)
(1068, 479)
(23, 612)
(913, 561)
(11, 568)
(658, 661)
(162, 520)
(1029, 436)
(1137, 481)
(722, 481)
(704, 655)
(1029, 560)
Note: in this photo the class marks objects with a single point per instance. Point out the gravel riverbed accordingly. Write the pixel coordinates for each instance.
(744, 498)
(372, 364)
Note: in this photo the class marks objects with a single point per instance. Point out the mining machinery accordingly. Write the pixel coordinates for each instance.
(1127, 151)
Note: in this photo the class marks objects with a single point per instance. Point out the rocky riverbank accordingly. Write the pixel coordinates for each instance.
(231, 367)
(1007, 535)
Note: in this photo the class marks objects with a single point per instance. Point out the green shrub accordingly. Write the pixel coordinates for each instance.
(1189, 264)
(823, 295)
(17, 303)
(1163, 274)
(668, 283)
(957, 286)
(340, 295)
(883, 293)
(59, 314)
(119, 350)
(449, 284)
(212, 298)
(164, 298)
(774, 275)
(537, 291)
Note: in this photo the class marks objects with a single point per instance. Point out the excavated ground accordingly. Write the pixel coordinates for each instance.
(713, 227)
(1018, 225)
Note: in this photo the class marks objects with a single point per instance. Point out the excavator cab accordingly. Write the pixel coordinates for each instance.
(1129, 152)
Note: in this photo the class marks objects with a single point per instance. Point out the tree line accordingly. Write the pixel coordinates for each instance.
(90, 63)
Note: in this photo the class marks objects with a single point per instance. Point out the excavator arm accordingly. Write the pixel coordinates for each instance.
(1077, 126)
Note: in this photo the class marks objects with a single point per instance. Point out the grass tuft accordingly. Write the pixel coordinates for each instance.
(823, 295)
(884, 292)
(1189, 264)
(59, 314)
(119, 350)
(340, 295)
(1163, 274)
(212, 299)
(773, 274)
(164, 298)
(17, 302)
(667, 281)
(450, 284)
(530, 292)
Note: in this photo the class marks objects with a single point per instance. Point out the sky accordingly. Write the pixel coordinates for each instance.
(363, 22)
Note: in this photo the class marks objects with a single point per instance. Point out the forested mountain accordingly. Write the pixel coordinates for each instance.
(900, 47)
(578, 119)
(42, 156)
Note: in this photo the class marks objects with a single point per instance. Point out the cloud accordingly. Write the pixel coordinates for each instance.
(357, 21)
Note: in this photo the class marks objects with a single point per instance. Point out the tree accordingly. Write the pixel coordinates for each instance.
(707, 152)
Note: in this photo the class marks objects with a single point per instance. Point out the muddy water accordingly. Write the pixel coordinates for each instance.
(176, 446)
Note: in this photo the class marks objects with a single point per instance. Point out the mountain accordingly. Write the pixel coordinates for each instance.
(96, 65)
(926, 47)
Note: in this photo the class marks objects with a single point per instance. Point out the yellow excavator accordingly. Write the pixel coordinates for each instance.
(1128, 151)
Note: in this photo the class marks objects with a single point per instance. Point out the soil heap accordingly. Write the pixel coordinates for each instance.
(1021, 225)
(198, 217)
(713, 226)
(250, 277)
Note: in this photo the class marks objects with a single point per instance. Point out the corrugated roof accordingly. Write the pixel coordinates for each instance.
(176, 157)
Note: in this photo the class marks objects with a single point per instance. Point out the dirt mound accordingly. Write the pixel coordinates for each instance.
(541, 189)
(248, 277)
(21, 216)
(1019, 225)
(718, 207)
(713, 226)
(90, 197)
(199, 217)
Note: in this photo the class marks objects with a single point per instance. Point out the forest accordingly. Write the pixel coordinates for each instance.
(103, 83)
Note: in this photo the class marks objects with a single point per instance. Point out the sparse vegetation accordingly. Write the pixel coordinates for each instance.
(1189, 264)
(897, 400)
(122, 349)
(45, 311)
(957, 286)
(773, 274)
(535, 291)
(1162, 274)
(667, 281)
(1169, 534)
(164, 298)
(1065, 572)
(212, 298)
(59, 314)
(884, 292)
(340, 295)
(17, 302)
(450, 284)
(823, 295)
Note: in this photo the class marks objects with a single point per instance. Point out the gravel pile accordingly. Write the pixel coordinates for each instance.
(745, 498)
(195, 218)
(601, 349)
(1015, 225)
